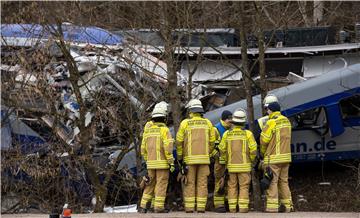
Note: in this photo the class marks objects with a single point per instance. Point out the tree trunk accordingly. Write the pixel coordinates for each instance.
(260, 35)
(245, 68)
(250, 107)
(192, 72)
(166, 32)
(85, 132)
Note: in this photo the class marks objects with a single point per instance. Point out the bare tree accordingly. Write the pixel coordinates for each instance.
(245, 65)
(261, 44)
(118, 115)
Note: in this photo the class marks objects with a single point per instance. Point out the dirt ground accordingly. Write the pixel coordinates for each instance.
(184, 215)
(342, 194)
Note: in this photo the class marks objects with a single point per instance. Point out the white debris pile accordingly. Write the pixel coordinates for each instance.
(125, 73)
(121, 209)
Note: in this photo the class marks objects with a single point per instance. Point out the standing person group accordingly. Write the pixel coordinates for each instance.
(233, 149)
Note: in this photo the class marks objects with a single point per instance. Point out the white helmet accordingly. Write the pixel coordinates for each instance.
(239, 116)
(159, 112)
(163, 105)
(195, 106)
(270, 98)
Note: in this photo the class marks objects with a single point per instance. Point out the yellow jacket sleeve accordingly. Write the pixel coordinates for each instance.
(252, 145)
(223, 146)
(212, 133)
(211, 137)
(266, 135)
(217, 136)
(143, 144)
(143, 147)
(180, 139)
(216, 143)
(168, 142)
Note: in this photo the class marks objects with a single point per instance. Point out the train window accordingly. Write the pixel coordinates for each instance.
(315, 117)
(350, 107)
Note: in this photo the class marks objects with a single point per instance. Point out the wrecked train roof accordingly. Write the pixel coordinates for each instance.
(72, 33)
(293, 96)
(311, 50)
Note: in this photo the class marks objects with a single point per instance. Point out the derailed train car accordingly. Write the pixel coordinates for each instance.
(324, 112)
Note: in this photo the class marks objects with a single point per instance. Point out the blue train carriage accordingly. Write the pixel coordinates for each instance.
(324, 112)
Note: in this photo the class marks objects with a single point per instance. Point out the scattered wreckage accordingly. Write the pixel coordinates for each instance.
(123, 74)
(100, 70)
(120, 71)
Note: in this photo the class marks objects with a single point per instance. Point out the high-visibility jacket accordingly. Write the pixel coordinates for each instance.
(275, 139)
(195, 140)
(157, 146)
(238, 148)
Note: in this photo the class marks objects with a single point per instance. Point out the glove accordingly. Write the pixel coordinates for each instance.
(221, 189)
(268, 173)
(146, 178)
(172, 168)
(183, 168)
(183, 179)
(258, 165)
(267, 178)
(145, 181)
(180, 163)
(142, 184)
(261, 165)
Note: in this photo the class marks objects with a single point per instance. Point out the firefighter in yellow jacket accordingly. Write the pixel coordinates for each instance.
(164, 106)
(238, 148)
(261, 122)
(195, 141)
(156, 149)
(275, 147)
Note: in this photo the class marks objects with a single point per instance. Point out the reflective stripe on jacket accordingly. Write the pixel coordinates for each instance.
(238, 148)
(148, 124)
(275, 139)
(262, 121)
(195, 140)
(157, 146)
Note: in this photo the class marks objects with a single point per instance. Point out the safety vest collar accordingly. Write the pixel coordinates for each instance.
(194, 115)
(225, 125)
(160, 124)
(274, 114)
(238, 127)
